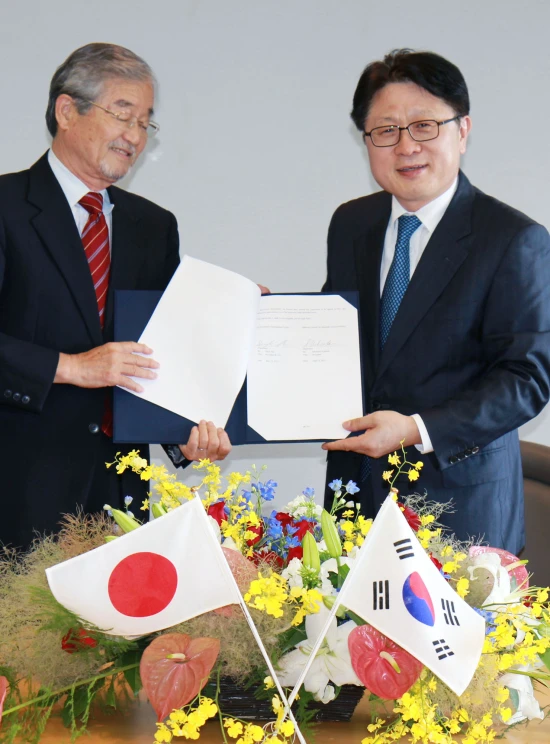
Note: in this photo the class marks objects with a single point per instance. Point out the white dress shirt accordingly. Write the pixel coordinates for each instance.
(430, 216)
(74, 189)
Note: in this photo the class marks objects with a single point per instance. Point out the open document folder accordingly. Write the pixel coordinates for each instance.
(211, 330)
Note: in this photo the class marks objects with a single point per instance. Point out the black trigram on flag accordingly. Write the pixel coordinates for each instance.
(442, 649)
(381, 595)
(404, 549)
(449, 612)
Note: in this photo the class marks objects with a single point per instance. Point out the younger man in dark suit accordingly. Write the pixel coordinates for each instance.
(68, 239)
(455, 302)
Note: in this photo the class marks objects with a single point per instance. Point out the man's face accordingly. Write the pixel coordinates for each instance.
(95, 146)
(416, 173)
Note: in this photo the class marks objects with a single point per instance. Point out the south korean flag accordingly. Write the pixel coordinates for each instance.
(395, 587)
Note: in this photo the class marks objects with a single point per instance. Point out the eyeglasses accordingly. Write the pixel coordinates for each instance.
(420, 131)
(149, 128)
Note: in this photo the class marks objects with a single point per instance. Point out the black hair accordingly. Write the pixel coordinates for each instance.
(427, 70)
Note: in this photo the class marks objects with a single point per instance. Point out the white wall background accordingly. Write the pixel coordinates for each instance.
(256, 148)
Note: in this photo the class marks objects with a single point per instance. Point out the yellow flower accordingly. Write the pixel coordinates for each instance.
(234, 728)
(163, 733)
(505, 713)
(413, 475)
(268, 683)
(387, 474)
(286, 728)
(394, 459)
(418, 465)
(462, 587)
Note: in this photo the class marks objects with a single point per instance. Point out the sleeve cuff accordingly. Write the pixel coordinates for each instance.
(426, 447)
(176, 456)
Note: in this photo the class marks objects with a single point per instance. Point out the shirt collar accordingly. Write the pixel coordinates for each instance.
(73, 188)
(430, 214)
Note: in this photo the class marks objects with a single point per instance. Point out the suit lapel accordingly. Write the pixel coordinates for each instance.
(126, 251)
(368, 256)
(57, 230)
(443, 255)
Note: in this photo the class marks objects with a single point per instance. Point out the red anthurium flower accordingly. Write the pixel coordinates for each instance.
(3, 692)
(174, 668)
(217, 512)
(411, 516)
(383, 667)
(77, 639)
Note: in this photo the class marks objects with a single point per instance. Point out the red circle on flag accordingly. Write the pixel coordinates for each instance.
(142, 584)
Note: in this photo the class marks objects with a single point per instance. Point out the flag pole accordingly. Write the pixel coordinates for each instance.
(240, 601)
(338, 602)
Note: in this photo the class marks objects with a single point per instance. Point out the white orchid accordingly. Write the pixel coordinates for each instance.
(332, 662)
(293, 573)
(528, 706)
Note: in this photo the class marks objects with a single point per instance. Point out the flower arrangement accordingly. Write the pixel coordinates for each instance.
(290, 566)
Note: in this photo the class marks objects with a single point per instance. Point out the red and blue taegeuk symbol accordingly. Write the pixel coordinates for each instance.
(417, 599)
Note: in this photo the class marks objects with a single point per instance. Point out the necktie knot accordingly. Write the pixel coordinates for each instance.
(92, 202)
(407, 225)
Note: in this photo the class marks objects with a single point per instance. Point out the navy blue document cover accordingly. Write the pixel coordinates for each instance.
(136, 420)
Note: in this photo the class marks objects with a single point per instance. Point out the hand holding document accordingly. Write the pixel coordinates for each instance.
(300, 356)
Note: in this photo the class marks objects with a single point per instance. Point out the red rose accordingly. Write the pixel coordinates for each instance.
(217, 512)
(303, 526)
(295, 553)
(436, 563)
(77, 640)
(284, 518)
(257, 530)
(411, 516)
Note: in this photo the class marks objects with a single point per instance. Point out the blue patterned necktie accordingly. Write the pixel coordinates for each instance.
(398, 275)
(395, 287)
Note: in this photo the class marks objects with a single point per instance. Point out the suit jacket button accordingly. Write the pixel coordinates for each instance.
(7, 393)
(467, 452)
(25, 399)
(453, 459)
(16, 397)
(475, 450)
(93, 428)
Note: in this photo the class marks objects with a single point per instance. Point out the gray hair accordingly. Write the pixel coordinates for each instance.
(85, 71)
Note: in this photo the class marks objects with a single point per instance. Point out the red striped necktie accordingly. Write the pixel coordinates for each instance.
(95, 239)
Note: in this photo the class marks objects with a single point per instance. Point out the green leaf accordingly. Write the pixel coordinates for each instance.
(110, 697)
(545, 658)
(291, 637)
(132, 676)
(343, 571)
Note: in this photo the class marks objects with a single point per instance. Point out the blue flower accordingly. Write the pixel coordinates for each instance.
(351, 487)
(309, 492)
(274, 529)
(247, 494)
(336, 485)
(489, 617)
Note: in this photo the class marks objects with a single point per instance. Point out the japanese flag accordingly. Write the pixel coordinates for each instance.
(395, 587)
(166, 572)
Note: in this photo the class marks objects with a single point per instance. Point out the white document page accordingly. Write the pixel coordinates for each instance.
(304, 376)
(201, 333)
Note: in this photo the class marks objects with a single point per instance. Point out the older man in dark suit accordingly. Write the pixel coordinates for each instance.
(455, 303)
(68, 239)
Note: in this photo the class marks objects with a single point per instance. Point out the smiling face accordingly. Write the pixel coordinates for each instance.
(96, 147)
(416, 173)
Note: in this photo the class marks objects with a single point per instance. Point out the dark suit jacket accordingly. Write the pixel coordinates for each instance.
(51, 458)
(469, 350)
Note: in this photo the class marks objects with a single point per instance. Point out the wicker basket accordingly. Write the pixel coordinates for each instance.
(237, 702)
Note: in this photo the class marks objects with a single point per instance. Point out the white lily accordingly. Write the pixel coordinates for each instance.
(293, 573)
(528, 706)
(331, 664)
